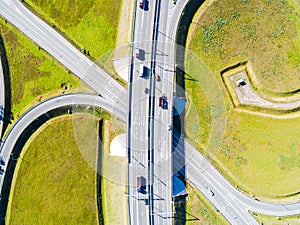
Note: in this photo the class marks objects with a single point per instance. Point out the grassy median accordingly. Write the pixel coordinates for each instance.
(34, 75)
(200, 210)
(259, 154)
(114, 179)
(53, 183)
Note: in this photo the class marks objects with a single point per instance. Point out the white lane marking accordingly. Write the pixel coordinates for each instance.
(7, 2)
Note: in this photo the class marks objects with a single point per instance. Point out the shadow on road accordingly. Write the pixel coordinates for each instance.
(7, 87)
(15, 156)
(178, 121)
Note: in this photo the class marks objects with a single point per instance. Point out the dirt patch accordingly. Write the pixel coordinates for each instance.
(125, 23)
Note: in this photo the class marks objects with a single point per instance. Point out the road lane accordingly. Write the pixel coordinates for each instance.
(138, 130)
(285, 209)
(40, 109)
(52, 42)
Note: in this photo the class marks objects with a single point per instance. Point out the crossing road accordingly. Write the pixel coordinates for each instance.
(56, 45)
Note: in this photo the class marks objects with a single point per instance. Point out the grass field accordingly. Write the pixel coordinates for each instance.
(53, 183)
(200, 211)
(114, 172)
(262, 154)
(91, 24)
(259, 154)
(279, 220)
(265, 33)
(34, 74)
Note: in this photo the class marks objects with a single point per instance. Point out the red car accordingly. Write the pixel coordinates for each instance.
(141, 4)
(160, 103)
(137, 54)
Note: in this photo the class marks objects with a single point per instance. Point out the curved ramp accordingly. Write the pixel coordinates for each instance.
(2, 97)
(30, 116)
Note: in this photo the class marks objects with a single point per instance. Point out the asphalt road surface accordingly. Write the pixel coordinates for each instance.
(57, 46)
(42, 108)
(236, 204)
(139, 205)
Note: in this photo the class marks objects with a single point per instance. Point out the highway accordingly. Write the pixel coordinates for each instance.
(137, 144)
(202, 175)
(230, 202)
(156, 145)
(57, 46)
(163, 116)
(35, 112)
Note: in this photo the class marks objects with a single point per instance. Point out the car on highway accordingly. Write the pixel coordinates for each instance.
(165, 103)
(137, 53)
(140, 54)
(143, 4)
(162, 102)
(141, 184)
(210, 191)
(142, 70)
(157, 77)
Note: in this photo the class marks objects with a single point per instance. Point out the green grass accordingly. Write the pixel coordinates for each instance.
(262, 154)
(90, 24)
(200, 210)
(263, 32)
(54, 184)
(34, 74)
(259, 154)
(278, 220)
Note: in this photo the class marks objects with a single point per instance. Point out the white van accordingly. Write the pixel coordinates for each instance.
(142, 70)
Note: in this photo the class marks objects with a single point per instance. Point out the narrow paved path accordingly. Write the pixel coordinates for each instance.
(2, 96)
(247, 96)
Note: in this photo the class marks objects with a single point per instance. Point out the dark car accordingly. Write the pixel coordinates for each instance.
(144, 4)
(141, 184)
(165, 103)
(160, 101)
(140, 54)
